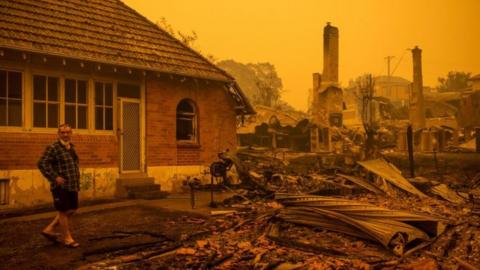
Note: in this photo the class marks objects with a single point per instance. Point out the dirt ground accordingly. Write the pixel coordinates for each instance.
(106, 230)
(24, 248)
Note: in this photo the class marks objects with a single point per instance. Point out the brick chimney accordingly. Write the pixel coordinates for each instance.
(330, 53)
(417, 106)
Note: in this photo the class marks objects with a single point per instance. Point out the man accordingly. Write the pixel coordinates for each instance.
(59, 164)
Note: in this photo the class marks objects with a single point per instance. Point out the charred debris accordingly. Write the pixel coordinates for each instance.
(297, 210)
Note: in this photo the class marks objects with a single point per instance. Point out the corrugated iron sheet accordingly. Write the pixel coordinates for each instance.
(391, 174)
(360, 219)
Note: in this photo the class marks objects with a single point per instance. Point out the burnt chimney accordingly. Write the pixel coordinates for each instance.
(330, 53)
(417, 107)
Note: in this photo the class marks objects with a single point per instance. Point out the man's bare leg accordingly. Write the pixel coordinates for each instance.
(64, 221)
(50, 229)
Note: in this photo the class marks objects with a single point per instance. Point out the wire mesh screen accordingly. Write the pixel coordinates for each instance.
(131, 136)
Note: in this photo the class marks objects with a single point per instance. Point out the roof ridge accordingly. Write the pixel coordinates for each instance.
(178, 41)
(151, 39)
(80, 13)
(108, 32)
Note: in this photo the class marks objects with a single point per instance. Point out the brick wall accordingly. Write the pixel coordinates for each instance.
(216, 121)
(21, 151)
(216, 124)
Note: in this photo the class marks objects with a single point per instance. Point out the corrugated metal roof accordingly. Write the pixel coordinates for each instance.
(105, 31)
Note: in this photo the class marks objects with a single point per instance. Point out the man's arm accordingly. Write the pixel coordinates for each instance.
(45, 164)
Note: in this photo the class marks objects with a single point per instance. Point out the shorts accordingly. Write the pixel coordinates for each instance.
(64, 200)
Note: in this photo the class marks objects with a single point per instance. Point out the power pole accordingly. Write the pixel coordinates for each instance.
(389, 74)
(368, 116)
(389, 59)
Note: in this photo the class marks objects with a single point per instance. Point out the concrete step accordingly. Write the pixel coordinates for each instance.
(137, 181)
(148, 195)
(143, 188)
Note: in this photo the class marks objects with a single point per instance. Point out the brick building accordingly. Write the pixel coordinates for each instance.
(142, 104)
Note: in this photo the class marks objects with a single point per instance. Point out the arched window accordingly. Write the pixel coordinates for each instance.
(187, 121)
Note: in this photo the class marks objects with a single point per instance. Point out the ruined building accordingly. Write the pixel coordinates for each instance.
(327, 96)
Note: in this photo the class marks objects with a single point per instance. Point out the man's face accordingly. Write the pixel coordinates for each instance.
(65, 133)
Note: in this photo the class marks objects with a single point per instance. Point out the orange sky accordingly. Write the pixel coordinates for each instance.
(289, 35)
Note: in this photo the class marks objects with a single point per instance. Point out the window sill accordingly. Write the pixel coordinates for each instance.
(181, 144)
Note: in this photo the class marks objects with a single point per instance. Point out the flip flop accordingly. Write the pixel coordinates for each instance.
(50, 237)
(72, 244)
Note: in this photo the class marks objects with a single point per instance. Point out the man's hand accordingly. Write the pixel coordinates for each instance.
(59, 180)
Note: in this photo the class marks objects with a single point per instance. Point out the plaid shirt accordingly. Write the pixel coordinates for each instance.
(57, 160)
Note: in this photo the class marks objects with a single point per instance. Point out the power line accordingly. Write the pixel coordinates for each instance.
(389, 58)
(400, 60)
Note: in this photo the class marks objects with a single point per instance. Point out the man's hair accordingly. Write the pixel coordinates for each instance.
(64, 126)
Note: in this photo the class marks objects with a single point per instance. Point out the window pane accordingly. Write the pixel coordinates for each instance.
(3, 112)
(184, 129)
(128, 90)
(14, 84)
(185, 106)
(98, 93)
(3, 83)
(52, 89)
(108, 94)
(39, 87)
(82, 117)
(70, 116)
(99, 118)
(15, 113)
(108, 118)
(39, 115)
(52, 115)
(82, 92)
(70, 95)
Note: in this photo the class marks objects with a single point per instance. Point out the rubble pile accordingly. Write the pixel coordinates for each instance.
(321, 217)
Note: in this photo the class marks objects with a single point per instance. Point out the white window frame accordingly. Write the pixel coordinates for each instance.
(95, 106)
(22, 119)
(76, 104)
(58, 102)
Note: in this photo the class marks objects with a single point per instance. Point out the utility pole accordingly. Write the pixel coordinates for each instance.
(389, 59)
(368, 116)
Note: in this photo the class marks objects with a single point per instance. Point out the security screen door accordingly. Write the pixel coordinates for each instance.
(130, 135)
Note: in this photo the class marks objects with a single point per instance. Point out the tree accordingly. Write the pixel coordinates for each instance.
(455, 81)
(260, 81)
(244, 76)
(188, 39)
(268, 83)
(366, 84)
